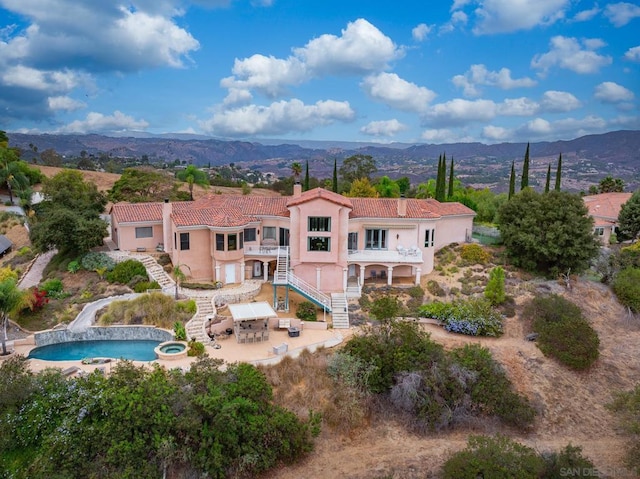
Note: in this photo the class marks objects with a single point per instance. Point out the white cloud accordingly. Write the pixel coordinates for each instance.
(459, 111)
(479, 75)
(397, 93)
(65, 103)
(504, 16)
(496, 133)
(457, 18)
(633, 54)
(383, 128)
(540, 128)
(568, 53)
(559, 101)
(458, 4)
(518, 107)
(619, 14)
(97, 123)
(610, 92)
(33, 79)
(420, 32)
(362, 48)
(586, 15)
(441, 135)
(277, 118)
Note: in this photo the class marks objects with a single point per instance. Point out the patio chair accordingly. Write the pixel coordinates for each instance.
(383, 274)
(374, 274)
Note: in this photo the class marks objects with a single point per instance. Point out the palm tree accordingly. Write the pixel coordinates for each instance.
(296, 170)
(11, 298)
(179, 275)
(11, 174)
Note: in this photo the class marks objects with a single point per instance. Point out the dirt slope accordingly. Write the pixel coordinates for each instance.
(570, 404)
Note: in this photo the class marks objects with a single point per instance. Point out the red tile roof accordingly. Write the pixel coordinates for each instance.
(320, 193)
(137, 212)
(237, 211)
(605, 207)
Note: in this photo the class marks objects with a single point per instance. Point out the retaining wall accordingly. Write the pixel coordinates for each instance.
(97, 333)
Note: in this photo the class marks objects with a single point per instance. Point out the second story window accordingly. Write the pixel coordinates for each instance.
(250, 234)
(184, 241)
(429, 237)
(376, 239)
(319, 223)
(319, 243)
(269, 233)
(144, 232)
(219, 242)
(232, 242)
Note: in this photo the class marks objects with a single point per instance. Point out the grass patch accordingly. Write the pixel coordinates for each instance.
(152, 309)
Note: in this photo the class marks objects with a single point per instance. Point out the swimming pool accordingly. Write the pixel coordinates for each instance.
(135, 350)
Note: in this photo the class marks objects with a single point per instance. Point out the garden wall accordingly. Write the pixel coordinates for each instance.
(96, 333)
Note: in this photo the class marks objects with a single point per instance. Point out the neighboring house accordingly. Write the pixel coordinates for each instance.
(318, 240)
(5, 245)
(604, 209)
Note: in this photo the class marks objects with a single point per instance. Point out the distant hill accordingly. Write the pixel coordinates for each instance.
(587, 159)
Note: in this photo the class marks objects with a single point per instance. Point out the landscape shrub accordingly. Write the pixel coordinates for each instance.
(474, 317)
(53, 288)
(144, 286)
(95, 260)
(154, 309)
(123, 272)
(179, 331)
(307, 311)
(495, 457)
(626, 285)
(187, 306)
(563, 333)
(569, 462)
(196, 348)
(626, 407)
(7, 272)
(434, 288)
(74, 266)
(494, 291)
(474, 254)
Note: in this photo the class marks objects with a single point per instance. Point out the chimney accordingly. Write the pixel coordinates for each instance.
(297, 189)
(402, 206)
(167, 209)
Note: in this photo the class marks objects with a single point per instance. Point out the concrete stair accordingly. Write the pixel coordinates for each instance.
(195, 326)
(339, 311)
(353, 291)
(157, 272)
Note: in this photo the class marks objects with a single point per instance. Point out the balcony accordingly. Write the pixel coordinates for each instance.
(265, 250)
(400, 256)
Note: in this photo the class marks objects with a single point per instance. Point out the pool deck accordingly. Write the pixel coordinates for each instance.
(230, 351)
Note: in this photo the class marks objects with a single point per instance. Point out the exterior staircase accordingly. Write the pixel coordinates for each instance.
(284, 277)
(195, 326)
(339, 311)
(157, 273)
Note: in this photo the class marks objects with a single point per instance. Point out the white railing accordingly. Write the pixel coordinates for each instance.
(386, 256)
(264, 250)
(309, 290)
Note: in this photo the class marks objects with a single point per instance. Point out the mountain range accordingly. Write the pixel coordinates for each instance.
(586, 159)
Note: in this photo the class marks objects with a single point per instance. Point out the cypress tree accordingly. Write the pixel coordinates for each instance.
(450, 193)
(546, 185)
(559, 173)
(306, 178)
(525, 170)
(441, 179)
(335, 175)
(512, 180)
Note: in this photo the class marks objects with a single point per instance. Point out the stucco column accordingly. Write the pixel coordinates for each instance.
(217, 272)
(344, 278)
(294, 236)
(361, 274)
(389, 275)
(343, 236)
(318, 278)
(418, 274)
(242, 272)
(265, 270)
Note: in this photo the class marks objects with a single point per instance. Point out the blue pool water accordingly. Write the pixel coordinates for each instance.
(135, 350)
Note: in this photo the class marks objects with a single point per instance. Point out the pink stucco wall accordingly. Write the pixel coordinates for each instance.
(125, 236)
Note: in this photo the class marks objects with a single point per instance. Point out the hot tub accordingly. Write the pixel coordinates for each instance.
(171, 350)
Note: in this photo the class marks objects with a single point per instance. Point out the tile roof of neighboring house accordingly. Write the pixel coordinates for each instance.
(137, 212)
(320, 193)
(416, 208)
(5, 244)
(237, 211)
(605, 207)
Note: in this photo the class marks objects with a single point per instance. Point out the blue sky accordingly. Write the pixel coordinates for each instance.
(404, 71)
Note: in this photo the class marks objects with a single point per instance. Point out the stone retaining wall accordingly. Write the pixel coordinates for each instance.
(96, 333)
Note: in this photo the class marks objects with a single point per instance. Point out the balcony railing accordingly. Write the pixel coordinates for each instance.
(402, 256)
(271, 251)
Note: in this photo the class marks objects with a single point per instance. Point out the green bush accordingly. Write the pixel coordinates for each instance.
(434, 288)
(626, 406)
(179, 331)
(144, 286)
(626, 285)
(563, 333)
(187, 306)
(73, 267)
(474, 254)
(569, 462)
(475, 317)
(494, 290)
(493, 457)
(196, 349)
(53, 287)
(95, 260)
(307, 311)
(125, 271)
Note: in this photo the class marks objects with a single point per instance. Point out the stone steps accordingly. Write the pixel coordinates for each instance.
(339, 311)
(195, 326)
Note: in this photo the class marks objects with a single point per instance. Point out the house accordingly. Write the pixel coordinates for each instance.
(317, 242)
(604, 209)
